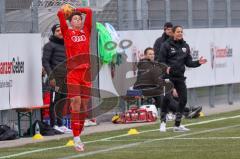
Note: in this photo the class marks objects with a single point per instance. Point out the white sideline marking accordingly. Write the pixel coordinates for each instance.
(181, 138)
(207, 138)
(198, 123)
(144, 142)
(109, 138)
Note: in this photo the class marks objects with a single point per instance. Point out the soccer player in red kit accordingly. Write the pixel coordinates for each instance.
(77, 43)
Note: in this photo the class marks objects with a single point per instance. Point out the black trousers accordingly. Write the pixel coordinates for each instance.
(181, 88)
(57, 106)
(168, 103)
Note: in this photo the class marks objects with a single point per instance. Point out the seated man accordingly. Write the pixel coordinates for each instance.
(150, 81)
(149, 78)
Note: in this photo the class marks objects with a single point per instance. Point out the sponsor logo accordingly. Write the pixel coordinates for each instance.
(173, 51)
(77, 39)
(223, 52)
(217, 53)
(184, 49)
(12, 67)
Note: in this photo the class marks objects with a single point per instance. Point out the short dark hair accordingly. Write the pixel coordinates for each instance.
(146, 50)
(168, 25)
(75, 13)
(175, 28)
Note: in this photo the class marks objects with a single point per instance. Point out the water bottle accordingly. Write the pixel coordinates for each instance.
(37, 129)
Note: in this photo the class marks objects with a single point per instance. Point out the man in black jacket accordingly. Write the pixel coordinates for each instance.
(150, 81)
(158, 43)
(149, 76)
(53, 61)
(175, 53)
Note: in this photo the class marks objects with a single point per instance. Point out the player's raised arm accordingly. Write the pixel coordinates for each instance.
(63, 14)
(88, 18)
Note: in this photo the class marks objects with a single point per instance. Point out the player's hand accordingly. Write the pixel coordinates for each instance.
(57, 89)
(52, 82)
(168, 70)
(202, 60)
(174, 92)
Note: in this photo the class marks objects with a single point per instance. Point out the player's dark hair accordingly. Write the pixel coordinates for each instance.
(175, 28)
(75, 13)
(146, 50)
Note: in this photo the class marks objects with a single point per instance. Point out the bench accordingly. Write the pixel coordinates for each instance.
(28, 112)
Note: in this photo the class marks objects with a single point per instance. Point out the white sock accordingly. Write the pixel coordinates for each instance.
(76, 139)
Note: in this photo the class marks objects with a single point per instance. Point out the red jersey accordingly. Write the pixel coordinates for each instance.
(77, 42)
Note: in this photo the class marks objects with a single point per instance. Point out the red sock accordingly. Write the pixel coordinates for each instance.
(77, 122)
(81, 125)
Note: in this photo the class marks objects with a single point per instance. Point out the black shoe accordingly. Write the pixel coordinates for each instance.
(197, 108)
(195, 112)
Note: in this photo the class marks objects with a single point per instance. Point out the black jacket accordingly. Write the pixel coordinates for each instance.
(149, 73)
(54, 57)
(177, 55)
(150, 78)
(157, 45)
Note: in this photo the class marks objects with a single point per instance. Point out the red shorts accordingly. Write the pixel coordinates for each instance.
(79, 83)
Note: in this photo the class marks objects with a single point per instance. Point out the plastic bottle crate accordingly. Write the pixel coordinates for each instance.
(66, 121)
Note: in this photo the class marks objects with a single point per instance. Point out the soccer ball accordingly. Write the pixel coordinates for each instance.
(67, 9)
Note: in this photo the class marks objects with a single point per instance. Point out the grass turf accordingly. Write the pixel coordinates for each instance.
(208, 141)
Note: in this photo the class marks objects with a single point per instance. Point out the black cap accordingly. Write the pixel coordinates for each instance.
(168, 25)
(54, 27)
